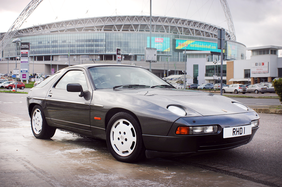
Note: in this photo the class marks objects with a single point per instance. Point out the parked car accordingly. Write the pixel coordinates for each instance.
(234, 88)
(3, 80)
(3, 84)
(206, 86)
(269, 87)
(193, 86)
(20, 85)
(217, 85)
(256, 88)
(136, 111)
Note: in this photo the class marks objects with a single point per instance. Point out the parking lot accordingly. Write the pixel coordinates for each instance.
(71, 160)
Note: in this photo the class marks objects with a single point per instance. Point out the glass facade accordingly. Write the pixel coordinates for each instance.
(235, 51)
(105, 43)
(215, 70)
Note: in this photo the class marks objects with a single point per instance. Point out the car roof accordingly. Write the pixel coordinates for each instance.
(97, 65)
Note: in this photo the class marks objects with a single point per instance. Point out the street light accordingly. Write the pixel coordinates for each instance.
(17, 41)
(214, 72)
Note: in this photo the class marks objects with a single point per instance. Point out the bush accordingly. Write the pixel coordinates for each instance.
(277, 83)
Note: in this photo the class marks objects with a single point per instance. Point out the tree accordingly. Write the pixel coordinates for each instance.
(277, 83)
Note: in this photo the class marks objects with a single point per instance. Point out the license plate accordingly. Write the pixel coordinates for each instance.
(232, 132)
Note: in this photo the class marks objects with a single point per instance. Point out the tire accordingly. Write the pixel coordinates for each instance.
(39, 126)
(256, 91)
(10, 87)
(22, 88)
(124, 138)
(236, 91)
(223, 91)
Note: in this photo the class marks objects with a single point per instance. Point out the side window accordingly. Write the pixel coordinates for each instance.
(74, 76)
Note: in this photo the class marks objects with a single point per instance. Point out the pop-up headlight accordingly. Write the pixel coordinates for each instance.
(177, 110)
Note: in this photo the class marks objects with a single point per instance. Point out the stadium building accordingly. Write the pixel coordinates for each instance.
(54, 46)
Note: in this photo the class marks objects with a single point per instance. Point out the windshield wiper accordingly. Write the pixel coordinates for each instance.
(131, 86)
(163, 86)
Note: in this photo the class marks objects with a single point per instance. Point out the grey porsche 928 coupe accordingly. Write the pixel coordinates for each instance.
(137, 113)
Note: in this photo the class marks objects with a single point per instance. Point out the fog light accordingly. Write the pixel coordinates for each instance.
(255, 123)
(204, 129)
(211, 129)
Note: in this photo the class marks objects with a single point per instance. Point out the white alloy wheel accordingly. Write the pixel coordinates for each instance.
(37, 121)
(123, 137)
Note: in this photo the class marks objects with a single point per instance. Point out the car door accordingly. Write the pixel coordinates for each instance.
(229, 88)
(250, 88)
(69, 110)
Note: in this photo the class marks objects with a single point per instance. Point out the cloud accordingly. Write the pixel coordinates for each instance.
(257, 22)
(15, 6)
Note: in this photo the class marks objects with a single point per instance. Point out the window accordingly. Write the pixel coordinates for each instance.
(72, 77)
(247, 73)
(273, 52)
(195, 73)
(279, 72)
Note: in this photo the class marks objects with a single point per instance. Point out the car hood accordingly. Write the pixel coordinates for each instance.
(193, 101)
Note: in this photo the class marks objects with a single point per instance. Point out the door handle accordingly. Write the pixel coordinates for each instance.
(50, 94)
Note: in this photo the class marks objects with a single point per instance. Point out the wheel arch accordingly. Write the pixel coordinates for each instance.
(30, 107)
(114, 111)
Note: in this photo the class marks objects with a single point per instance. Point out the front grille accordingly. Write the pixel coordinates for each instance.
(209, 144)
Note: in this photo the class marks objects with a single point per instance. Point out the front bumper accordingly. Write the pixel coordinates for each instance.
(200, 143)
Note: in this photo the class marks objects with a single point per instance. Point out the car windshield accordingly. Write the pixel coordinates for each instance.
(112, 77)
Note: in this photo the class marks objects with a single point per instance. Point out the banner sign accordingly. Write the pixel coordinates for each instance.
(25, 46)
(196, 45)
(160, 43)
(260, 68)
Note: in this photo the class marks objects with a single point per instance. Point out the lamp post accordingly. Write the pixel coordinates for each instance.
(214, 72)
(18, 43)
(185, 71)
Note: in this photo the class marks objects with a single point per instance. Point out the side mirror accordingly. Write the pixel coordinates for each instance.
(75, 87)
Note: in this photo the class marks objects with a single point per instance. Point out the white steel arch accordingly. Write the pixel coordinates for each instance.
(27, 11)
(228, 16)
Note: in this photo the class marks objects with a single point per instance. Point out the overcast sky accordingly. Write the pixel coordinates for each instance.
(257, 22)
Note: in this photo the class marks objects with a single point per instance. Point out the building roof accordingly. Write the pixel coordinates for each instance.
(160, 24)
(264, 47)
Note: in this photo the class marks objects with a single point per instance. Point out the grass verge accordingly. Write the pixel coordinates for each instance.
(9, 91)
(259, 97)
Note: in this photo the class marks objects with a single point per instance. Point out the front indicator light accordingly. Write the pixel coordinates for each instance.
(182, 130)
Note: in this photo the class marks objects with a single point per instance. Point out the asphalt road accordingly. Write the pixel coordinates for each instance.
(71, 160)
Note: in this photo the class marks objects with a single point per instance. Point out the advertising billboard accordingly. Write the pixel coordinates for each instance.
(160, 43)
(196, 45)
